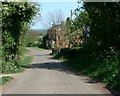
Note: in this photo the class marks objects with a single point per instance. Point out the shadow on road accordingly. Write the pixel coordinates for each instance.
(60, 66)
(57, 66)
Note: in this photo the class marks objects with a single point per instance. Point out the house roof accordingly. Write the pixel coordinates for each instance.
(55, 27)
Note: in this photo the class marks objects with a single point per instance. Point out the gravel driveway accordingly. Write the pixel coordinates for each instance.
(49, 76)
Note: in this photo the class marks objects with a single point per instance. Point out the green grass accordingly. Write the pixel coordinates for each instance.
(25, 50)
(24, 63)
(20, 67)
(5, 79)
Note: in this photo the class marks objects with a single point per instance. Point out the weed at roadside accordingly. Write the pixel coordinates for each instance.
(5, 79)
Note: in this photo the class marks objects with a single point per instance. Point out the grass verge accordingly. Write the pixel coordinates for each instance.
(24, 50)
(19, 67)
(24, 63)
(16, 66)
(5, 79)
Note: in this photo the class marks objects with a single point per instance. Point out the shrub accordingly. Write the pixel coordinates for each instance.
(14, 30)
(101, 65)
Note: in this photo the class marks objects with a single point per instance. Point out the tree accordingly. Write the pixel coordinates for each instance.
(105, 39)
(16, 17)
(31, 38)
(40, 40)
(105, 23)
(76, 27)
(81, 20)
(68, 25)
(68, 29)
(54, 17)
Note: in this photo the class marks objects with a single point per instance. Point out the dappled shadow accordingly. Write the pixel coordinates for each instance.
(60, 66)
(91, 80)
(57, 66)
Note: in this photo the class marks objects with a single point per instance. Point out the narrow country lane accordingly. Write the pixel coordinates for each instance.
(49, 76)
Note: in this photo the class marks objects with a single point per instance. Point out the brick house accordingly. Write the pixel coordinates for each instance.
(57, 36)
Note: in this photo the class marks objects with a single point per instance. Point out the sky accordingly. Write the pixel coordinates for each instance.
(47, 7)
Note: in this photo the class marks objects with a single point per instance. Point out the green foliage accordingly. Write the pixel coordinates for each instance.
(23, 63)
(100, 57)
(68, 30)
(43, 45)
(31, 38)
(40, 40)
(105, 69)
(34, 38)
(68, 27)
(105, 21)
(5, 79)
(70, 52)
(15, 19)
(81, 20)
(12, 67)
(105, 40)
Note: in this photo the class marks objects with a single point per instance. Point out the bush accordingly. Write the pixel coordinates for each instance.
(101, 65)
(12, 67)
(70, 52)
(14, 30)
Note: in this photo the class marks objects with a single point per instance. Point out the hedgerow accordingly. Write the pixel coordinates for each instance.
(16, 17)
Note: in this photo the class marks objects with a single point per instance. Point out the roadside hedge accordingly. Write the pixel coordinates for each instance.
(16, 17)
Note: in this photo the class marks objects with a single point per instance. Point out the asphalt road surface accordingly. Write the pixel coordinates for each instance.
(49, 76)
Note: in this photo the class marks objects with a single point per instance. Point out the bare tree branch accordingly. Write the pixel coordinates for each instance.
(54, 17)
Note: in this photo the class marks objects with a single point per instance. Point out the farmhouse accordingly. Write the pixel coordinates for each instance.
(57, 36)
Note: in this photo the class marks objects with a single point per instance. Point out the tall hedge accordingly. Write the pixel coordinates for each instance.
(16, 16)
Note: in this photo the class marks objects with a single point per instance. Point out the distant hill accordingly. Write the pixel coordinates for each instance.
(42, 31)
